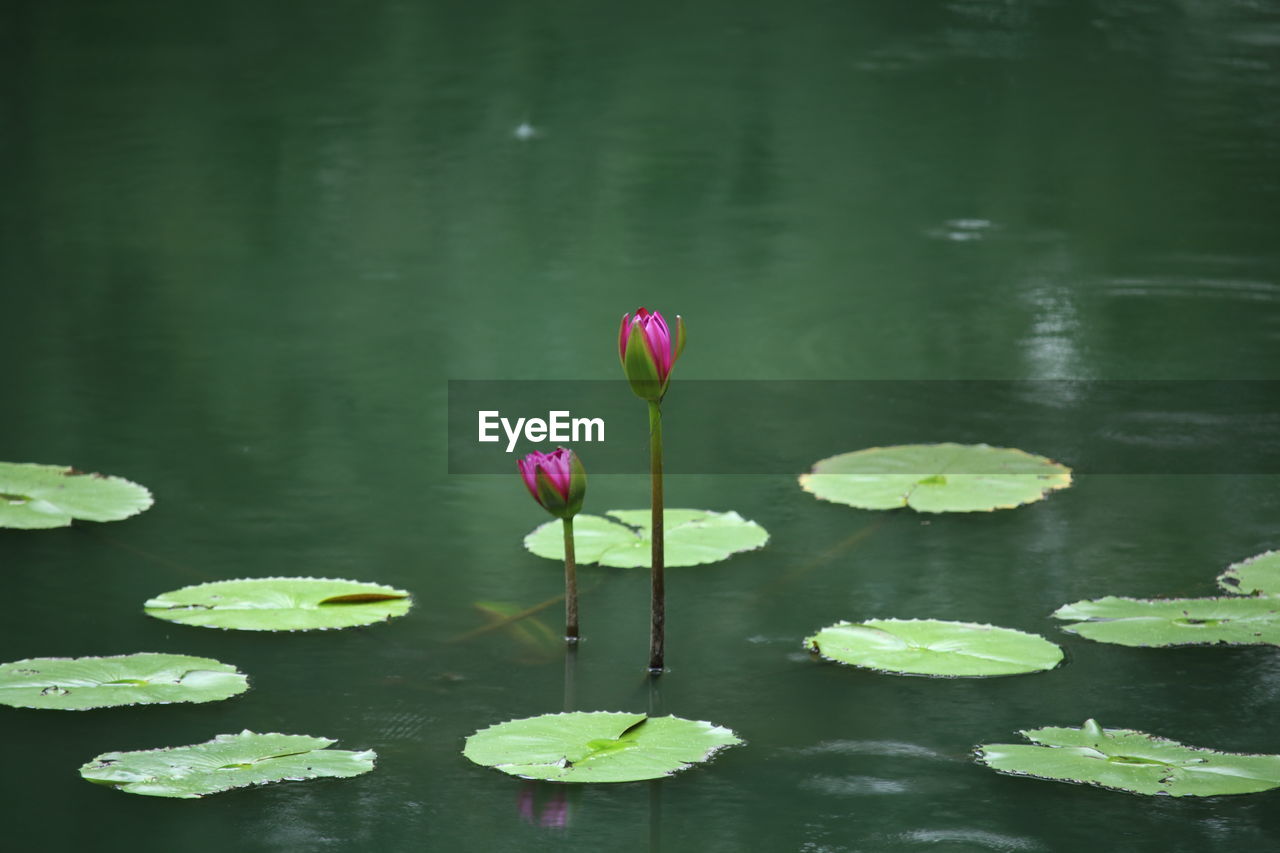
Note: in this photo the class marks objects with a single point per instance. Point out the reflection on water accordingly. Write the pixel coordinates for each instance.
(543, 804)
(853, 786)
(869, 747)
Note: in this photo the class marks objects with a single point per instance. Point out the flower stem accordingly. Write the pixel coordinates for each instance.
(570, 586)
(657, 626)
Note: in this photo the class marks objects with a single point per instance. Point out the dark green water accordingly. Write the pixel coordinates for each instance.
(243, 247)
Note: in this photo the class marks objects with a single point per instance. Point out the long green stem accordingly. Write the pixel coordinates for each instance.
(657, 625)
(570, 586)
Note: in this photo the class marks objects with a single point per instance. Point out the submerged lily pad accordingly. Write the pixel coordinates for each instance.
(34, 497)
(226, 762)
(933, 647)
(691, 537)
(1175, 621)
(280, 604)
(597, 746)
(935, 478)
(78, 684)
(1258, 575)
(1127, 760)
(528, 638)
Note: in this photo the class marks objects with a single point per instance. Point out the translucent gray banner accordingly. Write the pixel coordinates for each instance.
(782, 427)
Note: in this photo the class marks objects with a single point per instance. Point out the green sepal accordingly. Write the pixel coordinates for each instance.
(550, 499)
(640, 367)
(577, 486)
(679, 341)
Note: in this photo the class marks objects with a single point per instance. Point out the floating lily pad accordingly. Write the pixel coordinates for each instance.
(691, 537)
(77, 684)
(280, 604)
(1258, 575)
(35, 497)
(226, 762)
(935, 478)
(1127, 760)
(1175, 621)
(598, 746)
(933, 647)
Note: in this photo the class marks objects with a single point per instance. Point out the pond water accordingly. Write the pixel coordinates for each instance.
(243, 250)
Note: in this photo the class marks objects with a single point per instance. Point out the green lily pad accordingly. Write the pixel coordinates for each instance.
(78, 684)
(280, 604)
(1175, 621)
(935, 478)
(1258, 575)
(933, 647)
(34, 497)
(1127, 760)
(597, 746)
(226, 762)
(691, 537)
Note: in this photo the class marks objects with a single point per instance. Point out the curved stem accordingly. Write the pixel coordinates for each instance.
(657, 626)
(570, 586)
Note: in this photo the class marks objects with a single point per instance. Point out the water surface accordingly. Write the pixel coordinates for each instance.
(243, 248)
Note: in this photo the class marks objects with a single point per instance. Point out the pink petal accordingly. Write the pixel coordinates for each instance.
(624, 332)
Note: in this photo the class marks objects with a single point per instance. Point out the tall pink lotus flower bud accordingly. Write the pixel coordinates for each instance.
(648, 352)
(556, 480)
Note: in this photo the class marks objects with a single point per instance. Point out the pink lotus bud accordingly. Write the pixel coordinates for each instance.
(556, 480)
(648, 353)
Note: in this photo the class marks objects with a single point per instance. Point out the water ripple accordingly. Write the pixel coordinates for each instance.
(971, 838)
(1195, 288)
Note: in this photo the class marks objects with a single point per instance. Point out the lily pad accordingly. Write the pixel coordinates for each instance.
(933, 647)
(280, 604)
(34, 497)
(78, 684)
(1258, 575)
(226, 762)
(1128, 760)
(1175, 621)
(935, 478)
(691, 537)
(596, 746)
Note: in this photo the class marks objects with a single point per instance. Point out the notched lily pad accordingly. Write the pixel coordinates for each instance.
(691, 537)
(934, 648)
(597, 746)
(78, 684)
(1258, 575)
(226, 762)
(1175, 621)
(935, 478)
(34, 497)
(280, 604)
(1133, 761)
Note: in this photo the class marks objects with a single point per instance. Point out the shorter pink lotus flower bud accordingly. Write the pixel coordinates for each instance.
(556, 480)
